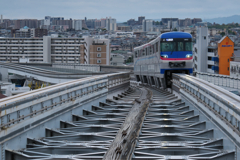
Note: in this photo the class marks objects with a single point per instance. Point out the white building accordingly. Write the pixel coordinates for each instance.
(116, 59)
(52, 50)
(200, 50)
(235, 69)
(111, 24)
(77, 24)
(47, 22)
(103, 22)
(173, 25)
(147, 25)
(125, 34)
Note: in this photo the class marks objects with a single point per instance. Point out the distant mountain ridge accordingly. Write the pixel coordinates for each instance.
(225, 20)
(219, 20)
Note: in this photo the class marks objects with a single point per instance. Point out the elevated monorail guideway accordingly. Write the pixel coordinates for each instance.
(45, 74)
(140, 123)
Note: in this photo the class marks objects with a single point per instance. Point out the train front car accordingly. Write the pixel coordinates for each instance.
(175, 54)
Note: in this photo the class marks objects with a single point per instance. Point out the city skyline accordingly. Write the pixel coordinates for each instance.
(124, 10)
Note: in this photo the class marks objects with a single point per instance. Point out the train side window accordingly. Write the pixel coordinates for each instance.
(150, 50)
(153, 46)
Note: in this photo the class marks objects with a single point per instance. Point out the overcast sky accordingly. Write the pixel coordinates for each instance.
(122, 10)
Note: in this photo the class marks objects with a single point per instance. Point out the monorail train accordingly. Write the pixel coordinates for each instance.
(169, 53)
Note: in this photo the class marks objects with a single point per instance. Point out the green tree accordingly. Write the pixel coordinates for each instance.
(223, 33)
(236, 24)
(175, 29)
(157, 23)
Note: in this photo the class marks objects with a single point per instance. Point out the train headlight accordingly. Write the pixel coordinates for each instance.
(189, 56)
(164, 56)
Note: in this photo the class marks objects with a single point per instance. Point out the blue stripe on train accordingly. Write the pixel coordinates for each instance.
(163, 70)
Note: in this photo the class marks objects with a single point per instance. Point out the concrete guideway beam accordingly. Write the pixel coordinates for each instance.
(22, 112)
(125, 141)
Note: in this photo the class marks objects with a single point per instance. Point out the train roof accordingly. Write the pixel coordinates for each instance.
(176, 35)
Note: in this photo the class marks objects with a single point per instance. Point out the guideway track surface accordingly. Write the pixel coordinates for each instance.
(125, 141)
(47, 72)
(170, 130)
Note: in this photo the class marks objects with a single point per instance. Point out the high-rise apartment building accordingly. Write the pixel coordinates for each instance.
(140, 19)
(1, 19)
(147, 25)
(187, 22)
(172, 24)
(55, 50)
(165, 20)
(31, 23)
(77, 24)
(91, 23)
(103, 22)
(181, 22)
(97, 23)
(111, 24)
(131, 22)
(196, 20)
(62, 23)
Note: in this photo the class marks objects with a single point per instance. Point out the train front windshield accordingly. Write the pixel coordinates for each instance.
(176, 48)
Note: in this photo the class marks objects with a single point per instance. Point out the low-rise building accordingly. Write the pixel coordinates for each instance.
(117, 60)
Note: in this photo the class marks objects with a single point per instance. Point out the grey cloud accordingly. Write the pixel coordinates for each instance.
(121, 10)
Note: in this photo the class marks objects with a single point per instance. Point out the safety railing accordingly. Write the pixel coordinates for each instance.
(28, 108)
(220, 105)
(220, 80)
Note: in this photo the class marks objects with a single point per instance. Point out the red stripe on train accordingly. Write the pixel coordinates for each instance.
(176, 59)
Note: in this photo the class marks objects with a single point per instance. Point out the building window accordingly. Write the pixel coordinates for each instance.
(98, 48)
(99, 55)
(98, 61)
(204, 37)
